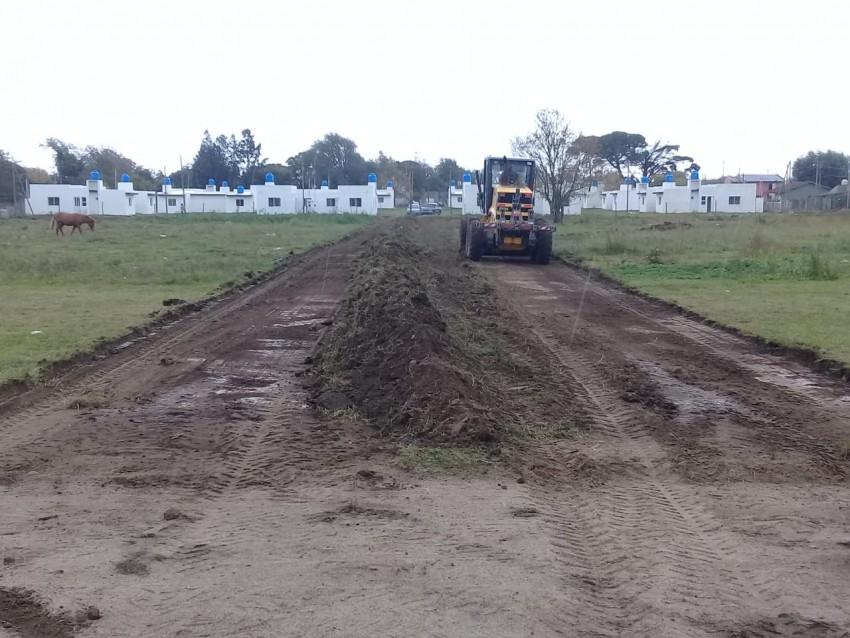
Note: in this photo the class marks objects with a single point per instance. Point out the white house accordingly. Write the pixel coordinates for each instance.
(268, 198)
(695, 197)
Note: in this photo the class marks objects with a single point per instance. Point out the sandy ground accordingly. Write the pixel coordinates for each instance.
(205, 498)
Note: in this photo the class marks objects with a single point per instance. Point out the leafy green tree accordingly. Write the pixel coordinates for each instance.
(334, 158)
(823, 167)
(68, 160)
(621, 149)
(661, 158)
(215, 159)
(448, 169)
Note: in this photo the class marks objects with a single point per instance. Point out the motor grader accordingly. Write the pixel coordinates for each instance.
(507, 226)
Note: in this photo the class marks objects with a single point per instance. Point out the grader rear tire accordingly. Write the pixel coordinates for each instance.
(475, 239)
(543, 252)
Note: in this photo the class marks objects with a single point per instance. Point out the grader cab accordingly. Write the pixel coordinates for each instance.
(507, 226)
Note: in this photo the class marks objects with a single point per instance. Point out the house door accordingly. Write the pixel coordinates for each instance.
(708, 204)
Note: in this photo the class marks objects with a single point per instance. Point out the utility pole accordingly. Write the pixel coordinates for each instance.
(183, 185)
(14, 188)
(847, 186)
(817, 174)
(165, 187)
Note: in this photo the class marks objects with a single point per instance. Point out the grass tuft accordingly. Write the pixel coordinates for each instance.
(414, 457)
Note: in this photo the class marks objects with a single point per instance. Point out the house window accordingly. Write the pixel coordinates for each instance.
(735, 200)
(380, 200)
(274, 201)
(702, 200)
(460, 199)
(240, 203)
(330, 202)
(355, 202)
(150, 200)
(52, 201)
(172, 201)
(76, 201)
(85, 202)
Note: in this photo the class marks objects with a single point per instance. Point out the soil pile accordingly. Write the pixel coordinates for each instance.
(421, 348)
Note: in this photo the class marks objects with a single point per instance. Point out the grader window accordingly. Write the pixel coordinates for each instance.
(512, 173)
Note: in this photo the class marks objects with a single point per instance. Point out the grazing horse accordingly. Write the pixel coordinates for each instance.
(76, 220)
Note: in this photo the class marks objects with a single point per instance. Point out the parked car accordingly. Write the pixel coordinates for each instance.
(413, 208)
(432, 208)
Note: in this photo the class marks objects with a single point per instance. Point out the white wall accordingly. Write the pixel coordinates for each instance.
(721, 193)
(285, 192)
(126, 201)
(39, 194)
(388, 195)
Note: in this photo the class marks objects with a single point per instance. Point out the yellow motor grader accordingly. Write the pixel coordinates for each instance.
(507, 226)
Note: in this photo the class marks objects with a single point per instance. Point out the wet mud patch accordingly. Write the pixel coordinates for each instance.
(133, 566)
(22, 612)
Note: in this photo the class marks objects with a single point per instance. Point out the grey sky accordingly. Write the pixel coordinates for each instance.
(752, 83)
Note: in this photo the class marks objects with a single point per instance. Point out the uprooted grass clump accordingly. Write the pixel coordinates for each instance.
(421, 348)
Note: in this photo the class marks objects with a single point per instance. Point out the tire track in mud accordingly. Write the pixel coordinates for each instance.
(635, 543)
(146, 352)
(272, 439)
(773, 421)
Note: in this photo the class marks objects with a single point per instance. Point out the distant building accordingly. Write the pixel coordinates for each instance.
(835, 198)
(765, 183)
(268, 198)
(798, 195)
(695, 197)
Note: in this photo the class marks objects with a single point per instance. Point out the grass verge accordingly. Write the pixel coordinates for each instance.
(63, 295)
(783, 277)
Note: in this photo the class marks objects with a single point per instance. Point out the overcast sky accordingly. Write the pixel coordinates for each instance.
(752, 83)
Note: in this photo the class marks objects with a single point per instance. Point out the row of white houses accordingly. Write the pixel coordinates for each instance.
(695, 197)
(367, 199)
(267, 198)
(640, 197)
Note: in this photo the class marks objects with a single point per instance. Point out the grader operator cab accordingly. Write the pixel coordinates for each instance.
(507, 225)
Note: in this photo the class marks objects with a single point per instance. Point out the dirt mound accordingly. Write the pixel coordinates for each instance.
(22, 612)
(421, 349)
(390, 351)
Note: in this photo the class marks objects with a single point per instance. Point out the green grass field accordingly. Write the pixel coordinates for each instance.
(785, 277)
(78, 290)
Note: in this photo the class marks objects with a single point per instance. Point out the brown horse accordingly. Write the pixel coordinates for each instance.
(76, 220)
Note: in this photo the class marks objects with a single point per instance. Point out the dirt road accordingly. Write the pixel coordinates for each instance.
(197, 494)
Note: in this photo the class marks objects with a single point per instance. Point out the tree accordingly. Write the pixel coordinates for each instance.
(214, 160)
(11, 176)
(248, 157)
(68, 160)
(333, 158)
(827, 168)
(660, 158)
(560, 163)
(448, 169)
(38, 176)
(621, 149)
(625, 150)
